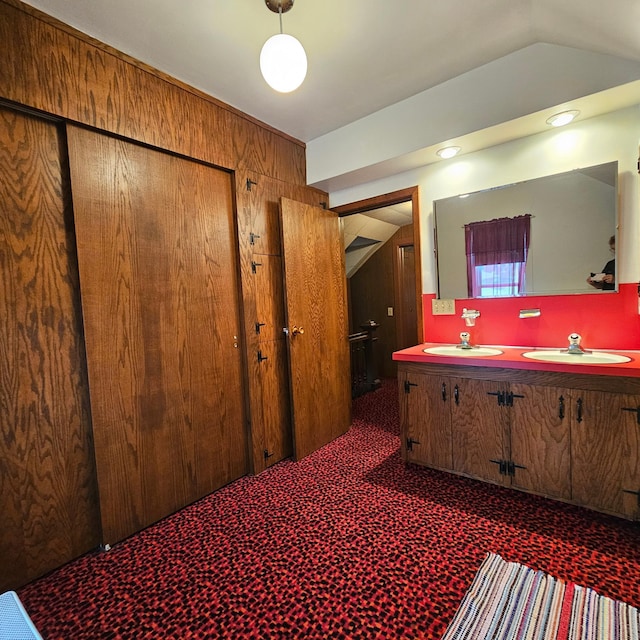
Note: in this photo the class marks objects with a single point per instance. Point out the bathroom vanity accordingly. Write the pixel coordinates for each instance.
(570, 432)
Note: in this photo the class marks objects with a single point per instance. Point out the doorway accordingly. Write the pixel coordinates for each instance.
(387, 288)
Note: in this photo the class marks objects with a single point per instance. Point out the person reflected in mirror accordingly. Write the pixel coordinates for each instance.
(606, 279)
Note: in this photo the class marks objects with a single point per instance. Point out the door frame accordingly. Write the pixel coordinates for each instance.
(409, 194)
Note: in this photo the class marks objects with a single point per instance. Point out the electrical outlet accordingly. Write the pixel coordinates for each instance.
(443, 307)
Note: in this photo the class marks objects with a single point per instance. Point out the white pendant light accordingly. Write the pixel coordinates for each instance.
(283, 61)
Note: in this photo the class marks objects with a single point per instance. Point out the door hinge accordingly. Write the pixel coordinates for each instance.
(511, 468)
(255, 265)
(268, 455)
(261, 358)
(507, 467)
(505, 398)
(408, 385)
(253, 237)
(633, 493)
(502, 464)
(250, 183)
(258, 325)
(509, 396)
(635, 410)
(410, 443)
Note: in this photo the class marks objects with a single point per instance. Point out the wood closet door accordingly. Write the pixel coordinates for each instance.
(48, 501)
(158, 272)
(315, 291)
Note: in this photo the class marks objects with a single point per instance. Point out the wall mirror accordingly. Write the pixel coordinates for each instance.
(570, 218)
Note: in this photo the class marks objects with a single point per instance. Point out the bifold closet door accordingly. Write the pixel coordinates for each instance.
(157, 255)
(48, 502)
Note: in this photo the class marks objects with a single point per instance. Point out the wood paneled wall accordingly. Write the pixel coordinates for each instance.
(51, 67)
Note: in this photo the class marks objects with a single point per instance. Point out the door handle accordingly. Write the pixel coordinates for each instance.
(296, 330)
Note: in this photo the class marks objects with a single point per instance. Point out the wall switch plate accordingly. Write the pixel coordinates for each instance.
(443, 307)
(390, 311)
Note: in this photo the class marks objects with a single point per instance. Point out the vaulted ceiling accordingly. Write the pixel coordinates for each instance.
(363, 55)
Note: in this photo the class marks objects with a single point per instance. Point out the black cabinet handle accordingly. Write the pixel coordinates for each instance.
(579, 406)
(561, 408)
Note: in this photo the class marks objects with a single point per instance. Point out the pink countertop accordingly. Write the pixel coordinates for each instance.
(512, 358)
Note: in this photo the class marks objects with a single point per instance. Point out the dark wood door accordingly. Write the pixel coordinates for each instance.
(158, 271)
(315, 292)
(48, 501)
(407, 315)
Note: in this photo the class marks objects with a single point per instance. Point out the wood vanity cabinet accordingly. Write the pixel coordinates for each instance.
(571, 437)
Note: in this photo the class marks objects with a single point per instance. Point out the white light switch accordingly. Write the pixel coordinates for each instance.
(390, 311)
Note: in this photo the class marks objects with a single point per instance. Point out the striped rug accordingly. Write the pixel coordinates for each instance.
(508, 601)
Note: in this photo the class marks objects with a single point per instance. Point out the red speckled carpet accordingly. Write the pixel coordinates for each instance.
(347, 543)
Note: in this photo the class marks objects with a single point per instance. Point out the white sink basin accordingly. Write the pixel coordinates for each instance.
(453, 350)
(558, 355)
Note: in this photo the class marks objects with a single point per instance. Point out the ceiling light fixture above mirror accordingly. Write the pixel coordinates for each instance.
(448, 152)
(283, 61)
(562, 118)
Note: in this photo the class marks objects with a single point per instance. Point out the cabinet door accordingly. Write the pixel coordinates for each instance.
(479, 428)
(540, 442)
(426, 420)
(273, 440)
(605, 444)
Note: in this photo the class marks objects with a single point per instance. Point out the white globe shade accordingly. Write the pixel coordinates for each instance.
(283, 62)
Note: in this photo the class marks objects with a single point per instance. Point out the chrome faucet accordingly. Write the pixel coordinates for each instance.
(574, 344)
(465, 336)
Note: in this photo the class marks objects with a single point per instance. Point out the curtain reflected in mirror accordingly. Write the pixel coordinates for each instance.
(496, 253)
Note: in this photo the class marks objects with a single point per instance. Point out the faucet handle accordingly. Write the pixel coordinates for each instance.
(574, 339)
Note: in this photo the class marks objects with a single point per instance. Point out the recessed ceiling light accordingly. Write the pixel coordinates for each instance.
(562, 118)
(448, 152)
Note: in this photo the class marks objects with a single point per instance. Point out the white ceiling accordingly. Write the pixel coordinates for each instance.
(363, 55)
